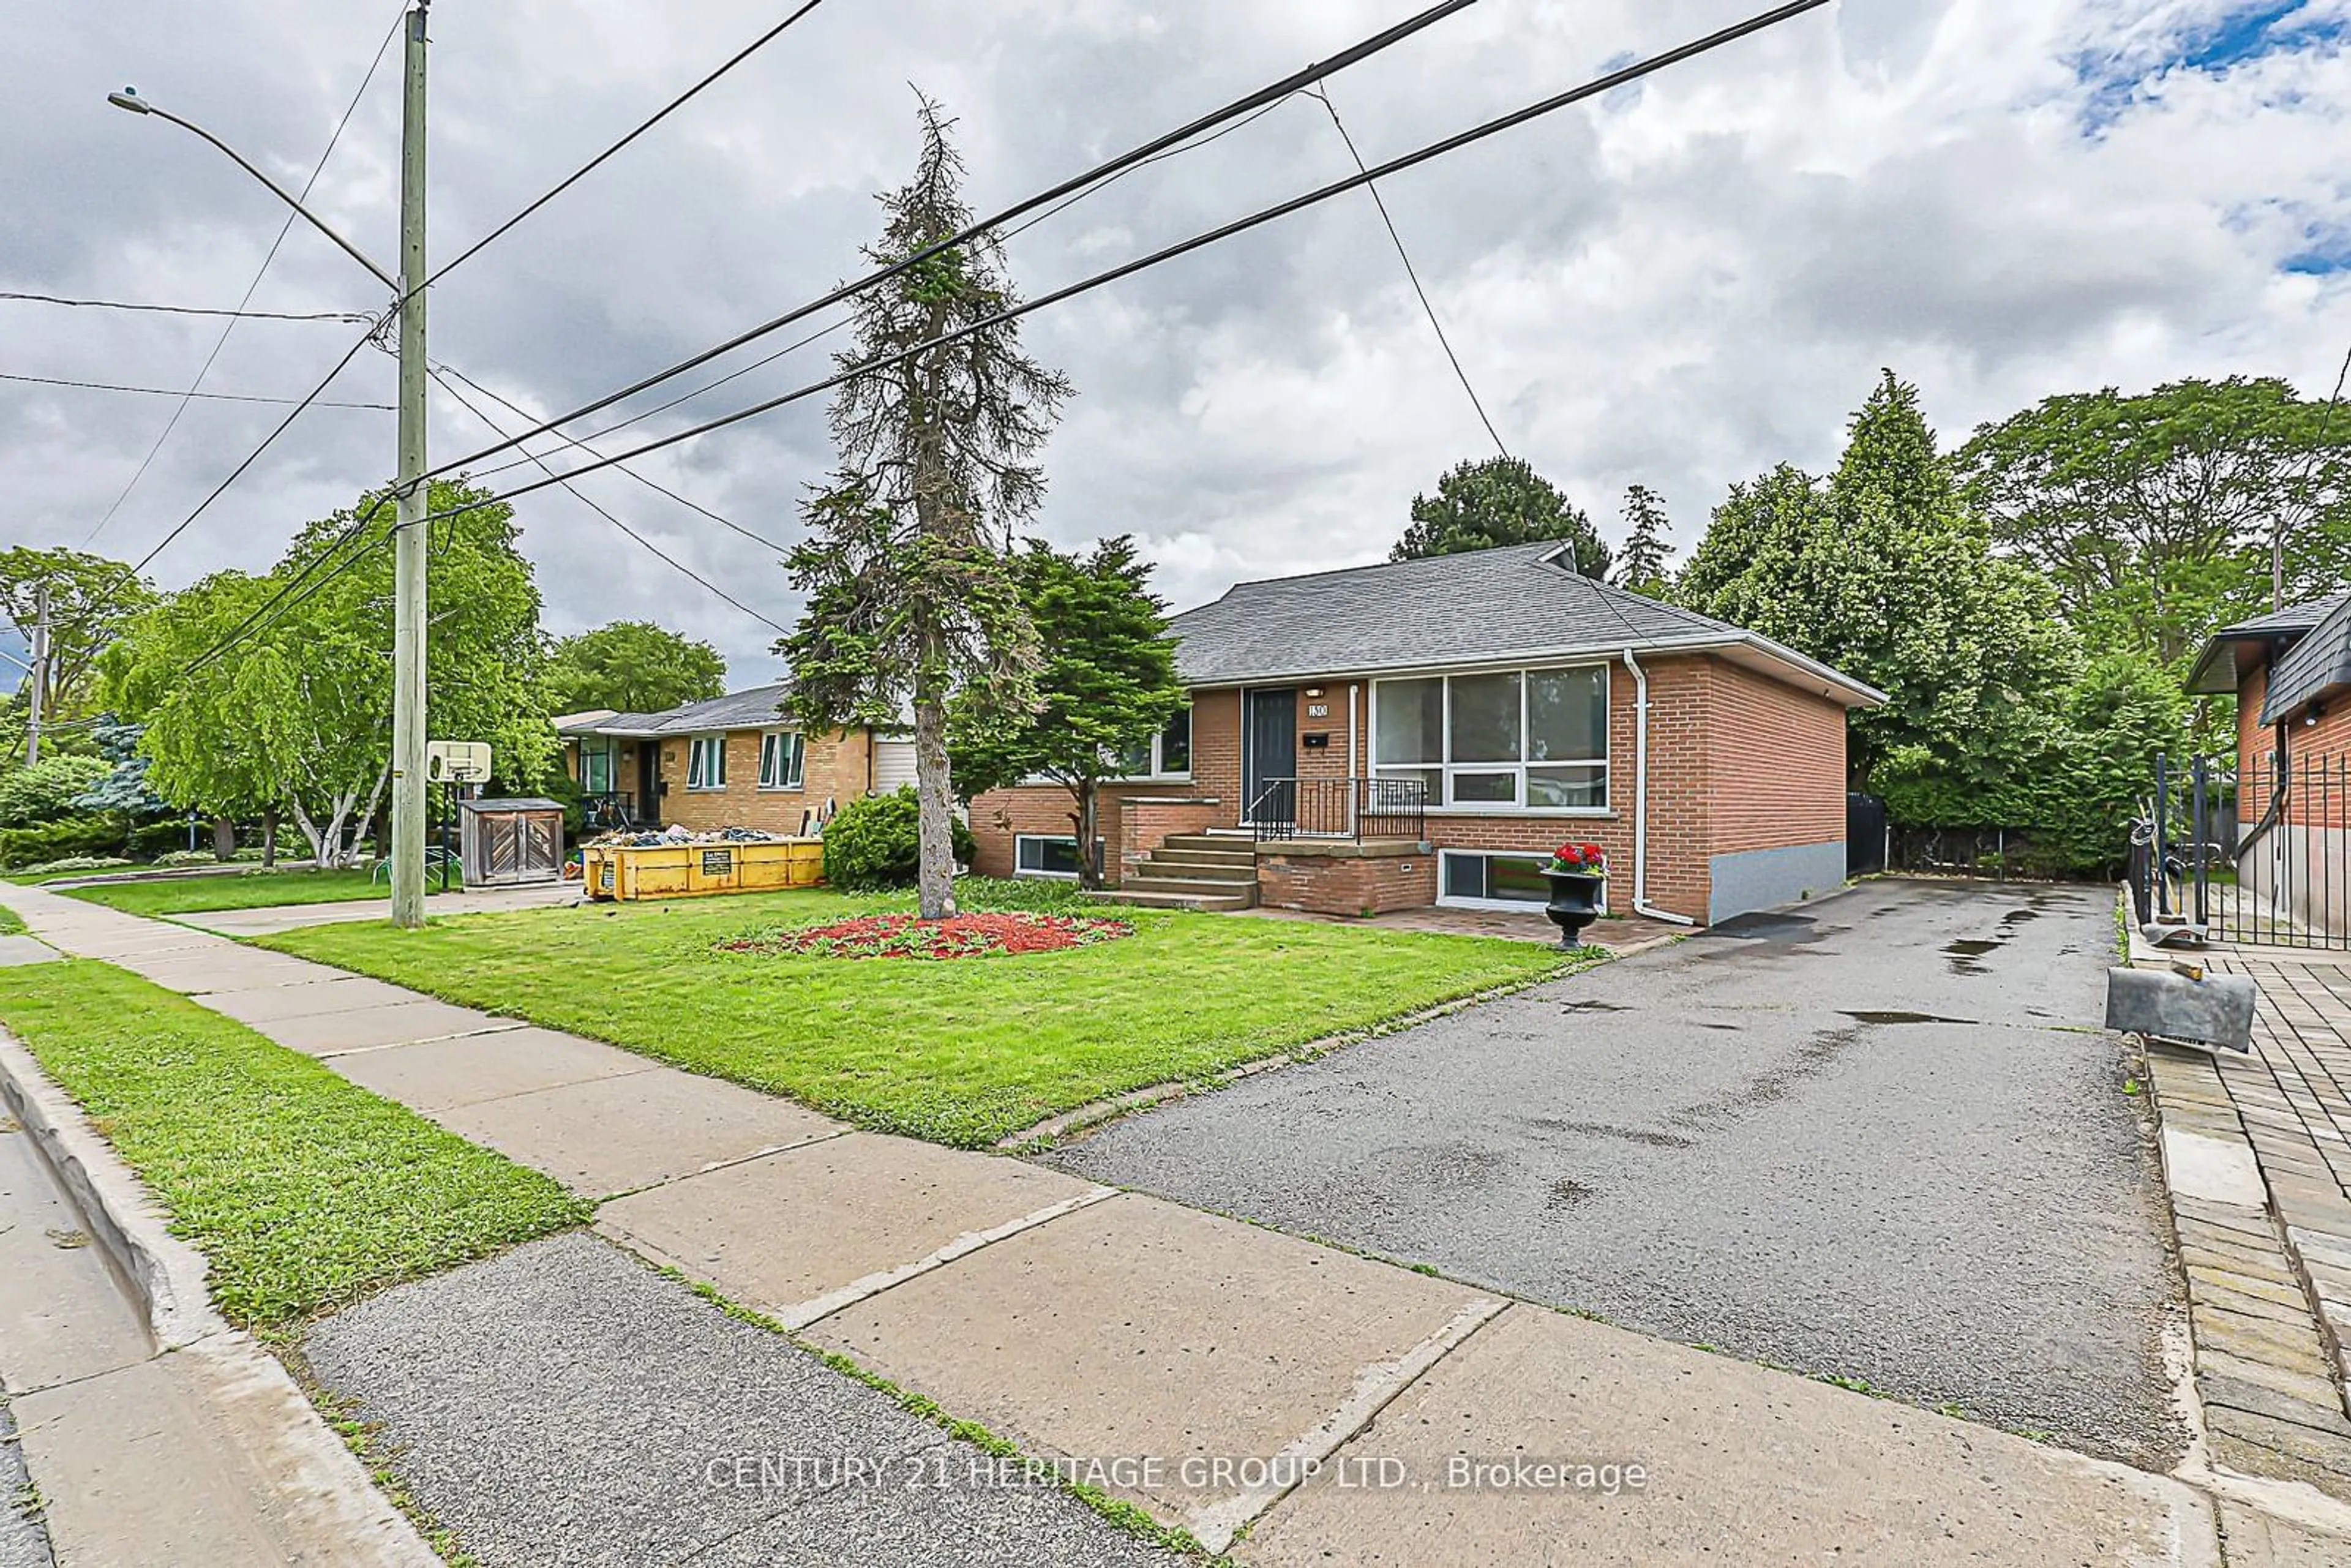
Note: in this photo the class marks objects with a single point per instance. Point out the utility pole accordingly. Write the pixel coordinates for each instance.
(408, 651)
(37, 679)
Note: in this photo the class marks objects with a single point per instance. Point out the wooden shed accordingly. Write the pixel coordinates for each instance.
(502, 842)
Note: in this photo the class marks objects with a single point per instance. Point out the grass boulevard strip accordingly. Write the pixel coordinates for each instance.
(961, 1053)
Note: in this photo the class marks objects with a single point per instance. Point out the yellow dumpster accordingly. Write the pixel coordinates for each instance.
(697, 871)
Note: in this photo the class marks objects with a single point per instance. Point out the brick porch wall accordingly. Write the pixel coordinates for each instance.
(1146, 821)
(1346, 885)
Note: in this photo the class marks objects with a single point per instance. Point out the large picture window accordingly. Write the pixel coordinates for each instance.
(1482, 881)
(1532, 740)
(1169, 753)
(706, 762)
(782, 757)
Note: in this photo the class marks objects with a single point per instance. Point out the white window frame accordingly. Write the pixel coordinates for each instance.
(1159, 768)
(1069, 839)
(693, 747)
(796, 776)
(1502, 905)
(1448, 768)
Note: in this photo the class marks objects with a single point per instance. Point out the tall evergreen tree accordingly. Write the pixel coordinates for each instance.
(1499, 501)
(1642, 566)
(911, 599)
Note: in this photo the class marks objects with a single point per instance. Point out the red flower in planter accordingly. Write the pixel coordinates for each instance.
(1582, 860)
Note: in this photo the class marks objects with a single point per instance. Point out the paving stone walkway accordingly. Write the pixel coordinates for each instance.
(1287, 1400)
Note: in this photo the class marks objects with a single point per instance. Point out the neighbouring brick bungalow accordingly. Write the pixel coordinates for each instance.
(2290, 672)
(1425, 732)
(736, 761)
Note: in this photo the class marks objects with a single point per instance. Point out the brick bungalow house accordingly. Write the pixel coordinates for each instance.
(2290, 672)
(1425, 731)
(735, 761)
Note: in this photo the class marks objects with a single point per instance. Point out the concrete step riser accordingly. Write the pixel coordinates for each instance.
(1179, 887)
(1198, 871)
(1224, 904)
(1207, 842)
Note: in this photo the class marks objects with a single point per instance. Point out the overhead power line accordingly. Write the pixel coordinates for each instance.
(672, 106)
(1593, 89)
(292, 594)
(1261, 97)
(240, 313)
(174, 392)
(655, 551)
(259, 273)
(1323, 96)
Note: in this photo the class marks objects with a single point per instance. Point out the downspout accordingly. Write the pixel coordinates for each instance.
(1354, 828)
(1641, 798)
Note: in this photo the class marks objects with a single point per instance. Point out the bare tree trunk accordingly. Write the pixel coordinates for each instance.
(367, 815)
(934, 875)
(269, 838)
(224, 838)
(1089, 820)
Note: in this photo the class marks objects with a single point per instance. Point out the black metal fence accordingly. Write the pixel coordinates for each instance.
(2257, 854)
(2003, 854)
(1866, 838)
(1356, 809)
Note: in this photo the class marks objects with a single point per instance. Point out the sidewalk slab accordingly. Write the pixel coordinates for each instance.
(1136, 1328)
(782, 1231)
(17, 951)
(617, 1134)
(1743, 1465)
(2256, 1539)
(329, 992)
(442, 1074)
(229, 967)
(592, 1413)
(400, 1023)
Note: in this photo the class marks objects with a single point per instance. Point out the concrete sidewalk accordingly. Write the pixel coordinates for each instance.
(1286, 1400)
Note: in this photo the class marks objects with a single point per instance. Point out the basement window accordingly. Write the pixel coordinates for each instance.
(1474, 879)
(1041, 854)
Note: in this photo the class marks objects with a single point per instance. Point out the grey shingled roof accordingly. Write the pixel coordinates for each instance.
(757, 708)
(2319, 664)
(1482, 607)
(2215, 672)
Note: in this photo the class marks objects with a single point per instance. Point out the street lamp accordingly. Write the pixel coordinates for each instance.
(409, 489)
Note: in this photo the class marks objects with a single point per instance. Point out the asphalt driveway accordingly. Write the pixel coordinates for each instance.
(1880, 1138)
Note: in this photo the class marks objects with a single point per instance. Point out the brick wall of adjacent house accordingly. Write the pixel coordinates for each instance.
(1346, 885)
(2319, 756)
(836, 768)
(1777, 763)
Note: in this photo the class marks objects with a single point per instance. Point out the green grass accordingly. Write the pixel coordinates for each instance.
(11, 922)
(965, 1052)
(249, 890)
(303, 1189)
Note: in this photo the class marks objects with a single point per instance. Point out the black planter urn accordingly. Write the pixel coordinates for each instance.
(1574, 904)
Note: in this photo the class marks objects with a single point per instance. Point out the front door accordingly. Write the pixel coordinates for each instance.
(1272, 725)
(648, 781)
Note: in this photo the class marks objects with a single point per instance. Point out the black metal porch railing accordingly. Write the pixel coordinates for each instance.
(609, 810)
(1356, 809)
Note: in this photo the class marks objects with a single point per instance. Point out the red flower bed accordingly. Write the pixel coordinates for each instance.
(911, 936)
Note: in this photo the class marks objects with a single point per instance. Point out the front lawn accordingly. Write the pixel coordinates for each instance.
(246, 890)
(302, 1189)
(962, 1052)
(11, 922)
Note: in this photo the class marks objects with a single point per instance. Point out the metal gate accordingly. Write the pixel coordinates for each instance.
(2257, 854)
(1865, 835)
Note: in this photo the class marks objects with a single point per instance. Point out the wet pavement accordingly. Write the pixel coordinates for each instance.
(1880, 1138)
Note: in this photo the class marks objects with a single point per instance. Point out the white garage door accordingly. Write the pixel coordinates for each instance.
(894, 765)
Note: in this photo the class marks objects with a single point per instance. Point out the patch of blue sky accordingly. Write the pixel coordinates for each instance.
(2116, 79)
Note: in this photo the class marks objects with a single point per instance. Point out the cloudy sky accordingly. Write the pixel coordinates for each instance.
(1680, 285)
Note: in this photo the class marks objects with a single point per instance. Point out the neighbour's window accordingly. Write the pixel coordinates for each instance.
(596, 769)
(782, 753)
(1468, 877)
(1037, 854)
(1520, 740)
(1167, 755)
(706, 762)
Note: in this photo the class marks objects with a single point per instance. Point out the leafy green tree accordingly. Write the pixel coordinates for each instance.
(1642, 566)
(2154, 514)
(633, 667)
(91, 599)
(297, 713)
(1496, 501)
(911, 599)
(1107, 685)
(48, 789)
(1882, 573)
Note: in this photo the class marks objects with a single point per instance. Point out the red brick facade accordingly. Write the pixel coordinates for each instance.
(1738, 762)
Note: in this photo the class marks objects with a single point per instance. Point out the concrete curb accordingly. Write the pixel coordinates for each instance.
(166, 1274)
(322, 1505)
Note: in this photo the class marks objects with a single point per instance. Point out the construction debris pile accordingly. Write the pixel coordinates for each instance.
(675, 836)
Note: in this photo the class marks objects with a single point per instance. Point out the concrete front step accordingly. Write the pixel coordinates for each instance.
(1219, 844)
(1201, 868)
(1187, 887)
(1223, 902)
